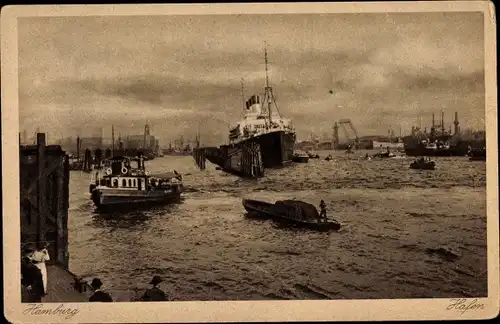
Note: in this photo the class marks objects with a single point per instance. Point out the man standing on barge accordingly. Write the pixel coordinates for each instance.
(322, 213)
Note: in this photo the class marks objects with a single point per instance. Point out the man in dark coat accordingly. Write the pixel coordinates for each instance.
(99, 295)
(322, 207)
(155, 293)
(31, 280)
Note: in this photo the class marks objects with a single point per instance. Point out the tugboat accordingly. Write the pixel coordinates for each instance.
(126, 182)
(294, 212)
(423, 164)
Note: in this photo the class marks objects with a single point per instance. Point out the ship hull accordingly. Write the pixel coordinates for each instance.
(458, 150)
(276, 148)
(111, 197)
(431, 152)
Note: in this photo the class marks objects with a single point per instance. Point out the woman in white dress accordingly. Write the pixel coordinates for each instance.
(39, 257)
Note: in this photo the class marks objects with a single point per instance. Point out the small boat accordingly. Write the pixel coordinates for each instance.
(294, 212)
(312, 155)
(384, 155)
(423, 164)
(477, 154)
(300, 158)
(124, 181)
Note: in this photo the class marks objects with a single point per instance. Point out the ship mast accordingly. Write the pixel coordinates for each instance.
(268, 89)
(112, 140)
(243, 95)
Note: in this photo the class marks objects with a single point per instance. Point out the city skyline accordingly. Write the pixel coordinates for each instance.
(177, 72)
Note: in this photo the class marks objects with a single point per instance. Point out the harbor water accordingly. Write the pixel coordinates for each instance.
(406, 233)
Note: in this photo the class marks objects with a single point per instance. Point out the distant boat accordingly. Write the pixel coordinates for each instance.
(384, 155)
(423, 164)
(389, 145)
(124, 181)
(300, 158)
(294, 212)
(312, 155)
(477, 154)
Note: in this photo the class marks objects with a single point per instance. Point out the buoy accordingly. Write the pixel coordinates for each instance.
(108, 171)
(124, 170)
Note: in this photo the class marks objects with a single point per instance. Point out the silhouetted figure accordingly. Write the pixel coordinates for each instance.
(322, 206)
(31, 279)
(99, 295)
(155, 293)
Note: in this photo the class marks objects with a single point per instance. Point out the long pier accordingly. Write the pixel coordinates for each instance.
(243, 161)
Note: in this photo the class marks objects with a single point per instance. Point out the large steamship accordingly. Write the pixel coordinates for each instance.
(265, 126)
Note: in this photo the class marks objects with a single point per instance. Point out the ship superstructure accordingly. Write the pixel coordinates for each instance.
(263, 124)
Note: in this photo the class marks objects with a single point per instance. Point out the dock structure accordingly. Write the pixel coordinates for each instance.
(44, 204)
(199, 157)
(244, 161)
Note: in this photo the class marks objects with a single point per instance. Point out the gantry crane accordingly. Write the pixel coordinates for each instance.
(343, 123)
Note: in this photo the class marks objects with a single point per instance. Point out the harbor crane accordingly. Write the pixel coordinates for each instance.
(343, 123)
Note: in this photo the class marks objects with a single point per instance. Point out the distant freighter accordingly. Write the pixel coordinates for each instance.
(440, 142)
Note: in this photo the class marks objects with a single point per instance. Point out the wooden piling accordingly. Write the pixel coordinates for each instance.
(40, 159)
(199, 157)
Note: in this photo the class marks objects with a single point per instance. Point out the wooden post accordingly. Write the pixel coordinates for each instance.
(78, 149)
(42, 208)
(203, 159)
(61, 213)
(64, 213)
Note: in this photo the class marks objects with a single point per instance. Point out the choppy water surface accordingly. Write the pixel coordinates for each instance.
(407, 234)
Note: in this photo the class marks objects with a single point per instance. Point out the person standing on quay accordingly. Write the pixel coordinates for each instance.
(155, 293)
(31, 279)
(99, 295)
(39, 257)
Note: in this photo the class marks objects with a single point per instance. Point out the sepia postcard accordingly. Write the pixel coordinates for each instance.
(251, 162)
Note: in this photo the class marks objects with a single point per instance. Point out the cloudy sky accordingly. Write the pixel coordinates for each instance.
(78, 74)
